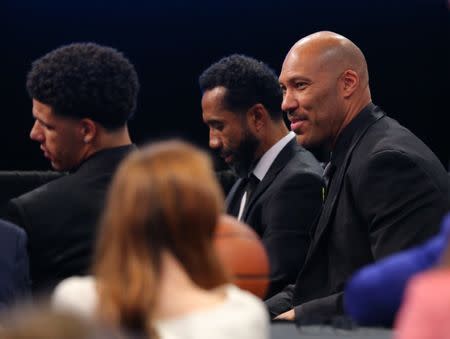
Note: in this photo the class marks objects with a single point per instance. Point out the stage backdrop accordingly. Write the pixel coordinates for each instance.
(171, 42)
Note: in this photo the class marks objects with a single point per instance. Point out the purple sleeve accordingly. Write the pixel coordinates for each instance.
(373, 295)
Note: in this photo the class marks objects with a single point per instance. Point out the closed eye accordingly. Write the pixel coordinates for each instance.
(217, 125)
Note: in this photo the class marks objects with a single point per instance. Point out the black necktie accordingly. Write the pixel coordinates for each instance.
(249, 185)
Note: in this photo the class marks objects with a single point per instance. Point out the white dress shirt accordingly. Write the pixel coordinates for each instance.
(263, 165)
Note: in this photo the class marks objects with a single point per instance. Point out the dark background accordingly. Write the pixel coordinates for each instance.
(171, 42)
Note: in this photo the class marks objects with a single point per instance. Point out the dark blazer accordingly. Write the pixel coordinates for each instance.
(60, 219)
(389, 192)
(282, 209)
(14, 276)
(15, 183)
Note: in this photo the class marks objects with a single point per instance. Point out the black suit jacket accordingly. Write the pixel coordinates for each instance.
(389, 192)
(14, 276)
(60, 219)
(282, 209)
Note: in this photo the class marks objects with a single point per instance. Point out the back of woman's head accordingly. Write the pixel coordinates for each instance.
(164, 197)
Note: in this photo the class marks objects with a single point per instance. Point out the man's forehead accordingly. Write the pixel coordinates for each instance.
(301, 64)
(219, 114)
(45, 113)
(214, 95)
(292, 67)
(41, 109)
(213, 99)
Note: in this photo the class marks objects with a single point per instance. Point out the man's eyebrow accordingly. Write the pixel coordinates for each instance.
(42, 122)
(298, 78)
(213, 121)
(292, 79)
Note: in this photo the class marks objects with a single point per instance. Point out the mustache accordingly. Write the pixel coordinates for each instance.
(293, 116)
(224, 154)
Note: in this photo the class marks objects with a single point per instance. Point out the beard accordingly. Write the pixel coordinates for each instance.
(244, 156)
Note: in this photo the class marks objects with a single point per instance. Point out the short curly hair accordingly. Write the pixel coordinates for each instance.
(86, 80)
(247, 82)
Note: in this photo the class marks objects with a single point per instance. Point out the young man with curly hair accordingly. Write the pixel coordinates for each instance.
(83, 95)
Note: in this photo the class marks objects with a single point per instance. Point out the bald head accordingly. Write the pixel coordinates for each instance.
(332, 52)
(325, 85)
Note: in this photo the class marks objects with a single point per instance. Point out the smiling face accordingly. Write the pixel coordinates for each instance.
(311, 97)
(61, 138)
(229, 133)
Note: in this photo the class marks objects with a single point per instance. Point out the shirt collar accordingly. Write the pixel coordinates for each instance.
(263, 165)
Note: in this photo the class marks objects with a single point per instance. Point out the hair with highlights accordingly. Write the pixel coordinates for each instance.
(163, 197)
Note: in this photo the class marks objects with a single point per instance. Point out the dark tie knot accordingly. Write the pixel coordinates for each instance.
(251, 182)
(328, 172)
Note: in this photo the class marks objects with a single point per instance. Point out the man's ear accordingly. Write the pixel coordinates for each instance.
(349, 82)
(88, 130)
(257, 116)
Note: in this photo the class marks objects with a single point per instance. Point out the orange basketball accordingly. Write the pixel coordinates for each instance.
(243, 255)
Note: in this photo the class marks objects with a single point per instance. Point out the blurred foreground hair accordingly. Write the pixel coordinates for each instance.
(39, 321)
(164, 197)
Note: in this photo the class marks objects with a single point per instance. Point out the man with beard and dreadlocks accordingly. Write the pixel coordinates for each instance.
(279, 190)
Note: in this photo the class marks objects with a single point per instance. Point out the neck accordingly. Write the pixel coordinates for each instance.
(120, 137)
(175, 284)
(274, 133)
(107, 139)
(353, 108)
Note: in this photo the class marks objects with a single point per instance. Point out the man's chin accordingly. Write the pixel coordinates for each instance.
(58, 167)
(55, 166)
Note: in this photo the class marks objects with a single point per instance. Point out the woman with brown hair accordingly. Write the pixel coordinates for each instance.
(156, 269)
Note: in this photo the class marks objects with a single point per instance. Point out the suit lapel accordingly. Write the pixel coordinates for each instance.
(337, 182)
(278, 164)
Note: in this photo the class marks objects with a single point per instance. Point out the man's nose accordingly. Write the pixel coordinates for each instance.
(214, 140)
(289, 103)
(36, 132)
